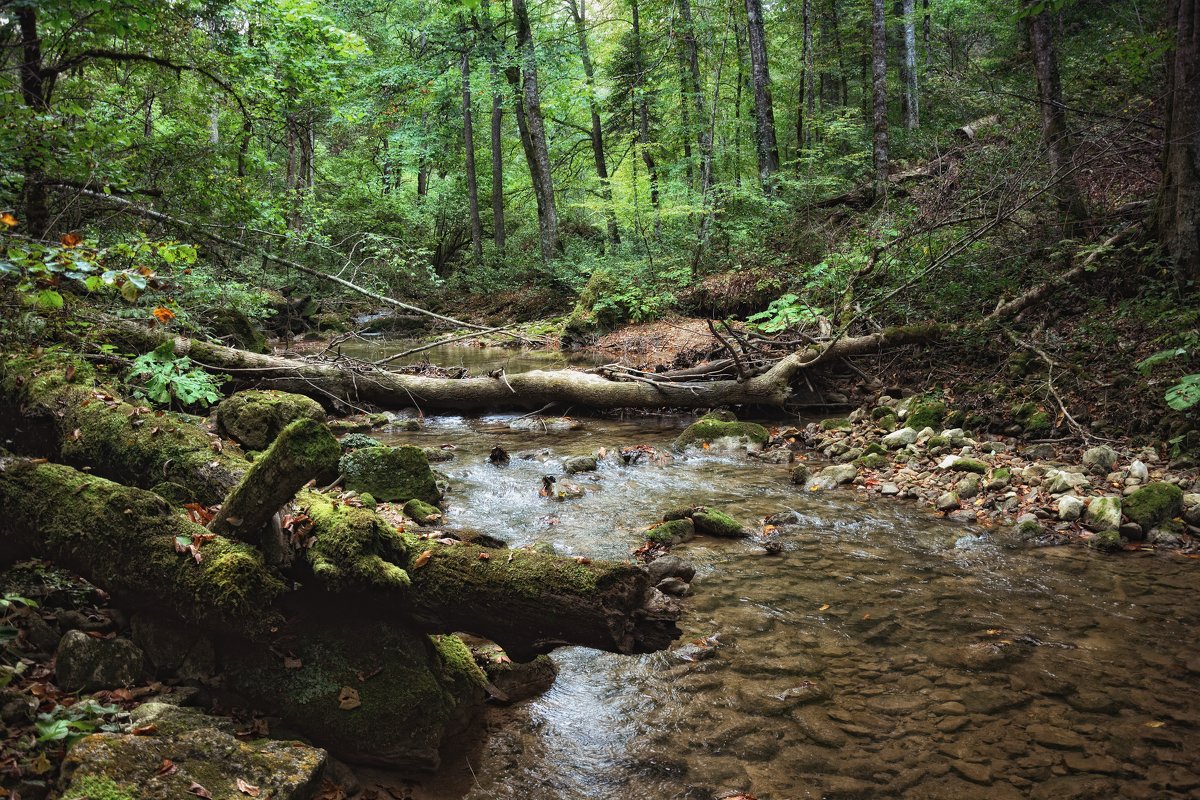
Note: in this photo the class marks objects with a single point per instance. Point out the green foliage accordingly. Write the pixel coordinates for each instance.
(166, 379)
(785, 312)
(67, 724)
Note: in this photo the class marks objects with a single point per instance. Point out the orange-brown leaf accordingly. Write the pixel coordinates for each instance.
(71, 239)
(9, 220)
(163, 314)
(422, 559)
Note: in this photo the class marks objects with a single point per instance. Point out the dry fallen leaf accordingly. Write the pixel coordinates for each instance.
(348, 698)
(824, 607)
(168, 767)
(484, 556)
(145, 730)
(422, 559)
(199, 790)
(291, 662)
(1155, 724)
(246, 788)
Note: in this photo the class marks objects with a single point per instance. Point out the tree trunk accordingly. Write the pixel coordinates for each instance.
(925, 30)
(538, 150)
(469, 166)
(578, 11)
(37, 85)
(768, 150)
(642, 100)
(423, 159)
(1055, 132)
(879, 97)
(691, 54)
(912, 115)
(1178, 211)
(804, 108)
(497, 143)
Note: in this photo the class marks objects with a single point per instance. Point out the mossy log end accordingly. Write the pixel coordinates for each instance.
(533, 389)
(123, 540)
(302, 451)
(93, 427)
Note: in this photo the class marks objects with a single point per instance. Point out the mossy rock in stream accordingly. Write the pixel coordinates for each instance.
(254, 417)
(1153, 504)
(353, 548)
(836, 424)
(925, 414)
(392, 474)
(722, 434)
(375, 693)
(111, 766)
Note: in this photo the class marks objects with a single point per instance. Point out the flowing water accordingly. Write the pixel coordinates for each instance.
(884, 653)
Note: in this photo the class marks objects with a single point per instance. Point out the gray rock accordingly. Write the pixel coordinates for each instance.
(86, 664)
(670, 567)
(780, 455)
(968, 487)
(1130, 530)
(820, 483)
(947, 502)
(675, 586)
(1139, 472)
(1164, 537)
(1070, 508)
(889, 490)
(1100, 460)
(1103, 514)
(1191, 509)
(172, 649)
(1057, 481)
(579, 464)
(900, 438)
(841, 473)
(953, 435)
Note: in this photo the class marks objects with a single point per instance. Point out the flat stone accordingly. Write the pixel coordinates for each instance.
(898, 704)
(1059, 738)
(817, 726)
(975, 773)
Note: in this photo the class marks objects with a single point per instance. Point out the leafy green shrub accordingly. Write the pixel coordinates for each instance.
(164, 378)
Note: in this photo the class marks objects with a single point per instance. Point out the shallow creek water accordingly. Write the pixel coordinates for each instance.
(884, 653)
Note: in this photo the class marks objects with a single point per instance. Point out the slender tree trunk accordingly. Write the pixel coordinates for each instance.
(879, 97)
(925, 26)
(423, 159)
(538, 150)
(703, 132)
(597, 131)
(469, 144)
(1055, 133)
(1178, 212)
(912, 115)
(804, 108)
(641, 94)
(685, 116)
(36, 88)
(497, 148)
(843, 69)
(737, 108)
(768, 150)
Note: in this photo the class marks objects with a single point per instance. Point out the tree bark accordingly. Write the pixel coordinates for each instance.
(1178, 211)
(1055, 132)
(37, 85)
(538, 150)
(804, 108)
(879, 98)
(642, 110)
(497, 144)
(469, 166)
(578, 11)
(912, 114)
(691, 55)
(768, 149)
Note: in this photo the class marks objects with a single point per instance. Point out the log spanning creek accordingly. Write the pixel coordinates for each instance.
(885, 652)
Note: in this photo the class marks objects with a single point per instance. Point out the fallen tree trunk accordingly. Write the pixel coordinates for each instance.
(526, 390)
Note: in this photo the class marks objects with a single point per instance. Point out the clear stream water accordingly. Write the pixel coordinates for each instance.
(884, 653)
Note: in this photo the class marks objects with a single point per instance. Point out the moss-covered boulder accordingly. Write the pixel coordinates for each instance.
(370, 692)
(836, 424)
(962, 464)
(355, 441)
(236, 329)
(393, 474)
(711, 522)
(672, 531)
(352, 548)
(1034, 421)
(1153, 504)
(722, 434)
(871, 461)
(86, 663)
(204, 750)
(255, 417)
(925, 414)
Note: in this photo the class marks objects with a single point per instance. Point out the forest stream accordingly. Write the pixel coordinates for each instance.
(884, 652)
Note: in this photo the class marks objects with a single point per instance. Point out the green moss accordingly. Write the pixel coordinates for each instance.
(872, 461)
(875, 448)
(968, 465)
(394, 474)
(1105, 541)
(800, 474)
(1153, 504)
(1034, 420)
(708, 430)
(456, 660)
(879, 412)
(672, 531)
(234, 326)
(937, 441)
(368, 500)
(353, 547)
(836, 424)
(353, 441)
(926, 414)
(94, 787)
(1002, 474)
(954, 419)
(716, 523)
(256, 416)
(422, 513)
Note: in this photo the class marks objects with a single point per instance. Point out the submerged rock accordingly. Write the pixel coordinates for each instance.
(580, 464)
(110, 766)
(394, 474)
(254, 417)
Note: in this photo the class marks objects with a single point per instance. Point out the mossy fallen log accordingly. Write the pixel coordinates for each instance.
(304, 450)
(527, 602)
(125, 539)
(91, 426)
